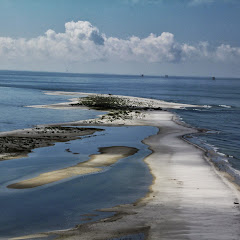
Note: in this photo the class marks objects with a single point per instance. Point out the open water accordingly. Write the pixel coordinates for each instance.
(220, 116)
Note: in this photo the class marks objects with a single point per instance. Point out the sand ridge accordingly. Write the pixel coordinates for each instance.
(107, 156)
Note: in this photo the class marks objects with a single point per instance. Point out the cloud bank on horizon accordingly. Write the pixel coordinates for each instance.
(83, 42)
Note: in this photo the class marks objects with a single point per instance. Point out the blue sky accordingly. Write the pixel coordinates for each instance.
(185, 37)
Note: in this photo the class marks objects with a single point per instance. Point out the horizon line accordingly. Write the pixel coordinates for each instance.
(142, 75)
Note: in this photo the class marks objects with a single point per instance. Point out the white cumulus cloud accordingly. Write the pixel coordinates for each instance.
(83, 42)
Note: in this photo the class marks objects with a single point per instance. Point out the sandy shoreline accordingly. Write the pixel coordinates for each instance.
(188, 199)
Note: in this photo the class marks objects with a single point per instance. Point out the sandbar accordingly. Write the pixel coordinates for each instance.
(107, 157)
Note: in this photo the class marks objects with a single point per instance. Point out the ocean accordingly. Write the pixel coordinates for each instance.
(219, 118)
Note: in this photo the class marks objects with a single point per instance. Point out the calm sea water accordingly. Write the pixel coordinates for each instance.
(17, 89)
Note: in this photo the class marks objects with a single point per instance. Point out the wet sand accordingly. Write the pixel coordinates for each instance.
(188, 199)
(107, 156)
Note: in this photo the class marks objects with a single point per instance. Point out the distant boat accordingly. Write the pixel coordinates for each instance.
(142, 75)
(213, 78)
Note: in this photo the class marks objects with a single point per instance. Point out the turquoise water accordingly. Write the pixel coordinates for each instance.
(27, 211)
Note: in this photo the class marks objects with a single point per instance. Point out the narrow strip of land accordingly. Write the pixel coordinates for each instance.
(188, 199)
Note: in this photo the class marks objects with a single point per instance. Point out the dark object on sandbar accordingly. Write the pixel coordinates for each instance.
(67, 150)
(213, 78)
(236, 203)
(166, 76)
(142, 75)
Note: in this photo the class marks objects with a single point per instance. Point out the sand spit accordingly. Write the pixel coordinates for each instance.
(107, 157)
(19, 143)
(188, 199)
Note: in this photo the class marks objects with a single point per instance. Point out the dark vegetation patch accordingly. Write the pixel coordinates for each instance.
(24, 142)
(111, 102)
(120, 114)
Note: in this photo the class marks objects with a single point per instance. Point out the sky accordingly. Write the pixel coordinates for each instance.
(154, 37)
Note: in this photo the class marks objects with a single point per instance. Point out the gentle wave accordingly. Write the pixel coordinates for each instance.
(221, 161)
(218, 158)
(213, 132)
(203, 108)
(207, 106)
(225, 106)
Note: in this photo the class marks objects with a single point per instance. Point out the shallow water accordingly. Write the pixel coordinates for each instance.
(14, 115)
(60, 205)
(138, 236)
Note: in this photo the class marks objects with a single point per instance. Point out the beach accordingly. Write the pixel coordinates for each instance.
(188, 198)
